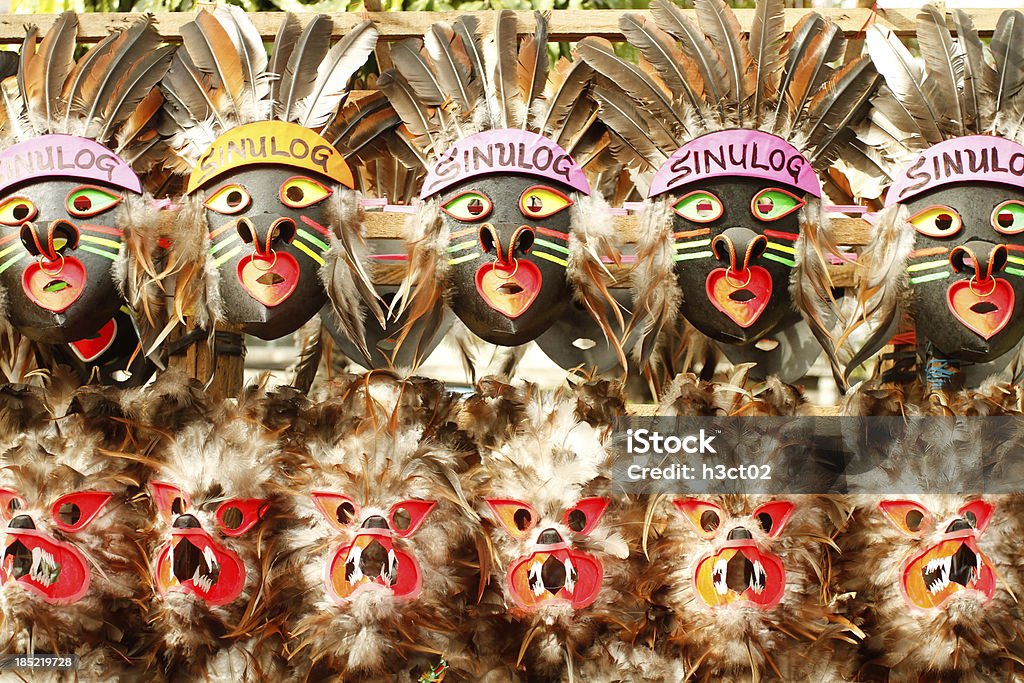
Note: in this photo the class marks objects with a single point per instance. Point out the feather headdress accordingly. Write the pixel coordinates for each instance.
(231, 109)
(79, 138)
(460, 95)
(951, 119)
(710, 85)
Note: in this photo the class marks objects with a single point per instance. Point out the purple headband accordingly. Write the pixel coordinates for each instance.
(736, 152)
(64, 155)
(507, 150)
(972, 158)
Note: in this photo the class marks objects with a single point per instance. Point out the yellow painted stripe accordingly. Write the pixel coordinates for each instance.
(928, 265)
(308, 252)
(782, 247)
(549, 257)
(102, 240)
(14, 247)
(226, 257)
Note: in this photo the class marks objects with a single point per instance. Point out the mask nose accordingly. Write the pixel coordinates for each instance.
(985, 258)
(375, 522)
(186, 522)
(739, 534)
(266, 232)
(21, 522)
(736, 247)
(58, 236)
(958, 525)
(549, 537)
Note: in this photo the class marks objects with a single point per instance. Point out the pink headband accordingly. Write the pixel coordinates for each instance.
(972, 158)
(508, 150)
(64, 156)
(737, 152)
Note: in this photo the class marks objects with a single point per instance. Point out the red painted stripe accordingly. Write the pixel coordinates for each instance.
(930, 251)
(552, 233)
(316, 226)
(691, 233)
(792, 237)
(218, 231)
(7, 238)
(1014, 247)
(102, 229)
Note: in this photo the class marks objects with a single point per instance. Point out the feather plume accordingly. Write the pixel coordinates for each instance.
(812, 46)
(249, 46)
(533, 63)
(467, 29)
(134, 87)
(840, 103)
(979, 77)
(29, 85)
(903, 77)
(695, 44)
(564, 90)
(678, 71)
(402, 97)
(633, 126)
(300, 70)
(766, 34)
(450, 57)
(1009, 60)
(721, 27)
(214, 55)
(943, 68)
(505, 85)
(331, 86)
(55, 58)
(288, 36)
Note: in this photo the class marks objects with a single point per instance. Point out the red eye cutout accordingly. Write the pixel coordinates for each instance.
(75, 511)
(773, 516)
(978, 513)
(518, 518)
(169, 499)
(584, 515)
(911, 518)
(337, 509)
(10, 504)
(407, 516)
(238, 515)
(705, 517)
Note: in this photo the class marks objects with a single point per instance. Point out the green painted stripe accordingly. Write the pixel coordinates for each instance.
(692, 244)
(11, 249)
(101, 240)
(928, 278)
(551, 245)
(312, 239)
(226, 257)
(929, 265)
(308, 252)
(1011, 259)
(690, 257)
(223, 243)
(463, 258)
(98, 251)
(782, 247)
(11, 261)
(1014, 271)
(461, 246)
(779, 259)
(550, 257)
(126, 310)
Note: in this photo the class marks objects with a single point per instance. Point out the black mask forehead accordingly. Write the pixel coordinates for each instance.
(507, 268)
(59, 241)
(268, 239)
(734, 267)
(976, 320)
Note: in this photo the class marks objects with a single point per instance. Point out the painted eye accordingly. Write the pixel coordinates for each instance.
(909, 517)
(170, 501)
(10, 504)
(407, 516)
(87, 201)
(705, 517)
(1008, 217)
(937, 221)
(772, 517)
(75, 511)
(468, 206)
(338, 510)
(516, 517)
(300, 192)
(238, 515)
(774, 203)
(228, 200)
(584, 515)
(17, 210)
(978, 513)
(540, 202)
(700, 207)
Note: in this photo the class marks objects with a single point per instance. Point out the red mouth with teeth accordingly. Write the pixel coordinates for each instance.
(57, 285)
(953, 567)
(740, 573)
(195, 564)
(553, 575)
(982, 307)
(34, 560)
(509, 289)
(269, 279)
(371, 562)
(740, 295)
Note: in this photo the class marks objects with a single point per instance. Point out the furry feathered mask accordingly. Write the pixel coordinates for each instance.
(509, 230)
(78, 133)
(728, 136)
(947, 131)
(280, 221)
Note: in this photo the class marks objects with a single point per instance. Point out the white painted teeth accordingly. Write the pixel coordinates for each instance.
(718, 574)
(535, 580)
(759, 579)
(45, 569)
(392, 572)
(211, 560)
(570, 576)
(940, 565)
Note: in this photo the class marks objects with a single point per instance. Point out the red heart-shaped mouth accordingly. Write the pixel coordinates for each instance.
(982, 307)
(56, 285)
(741, 295)
(269, 279)
(195, 564)
(509, 289)
(56, 571)
(91, 348)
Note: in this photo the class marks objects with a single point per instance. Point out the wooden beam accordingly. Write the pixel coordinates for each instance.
(564, 25)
